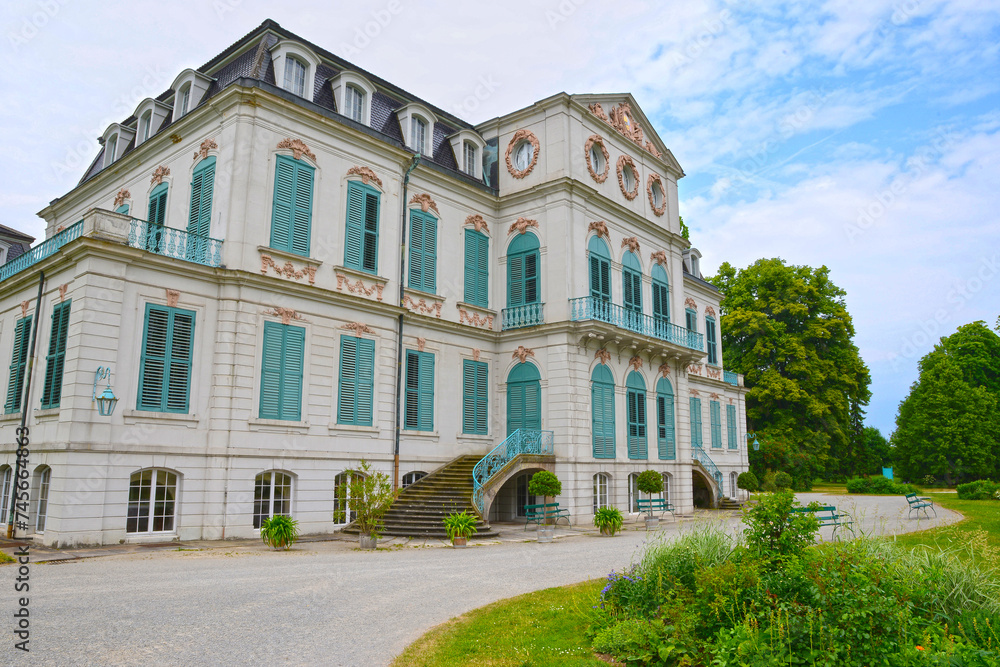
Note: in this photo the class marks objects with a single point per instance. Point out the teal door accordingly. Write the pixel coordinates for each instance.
(524, 399)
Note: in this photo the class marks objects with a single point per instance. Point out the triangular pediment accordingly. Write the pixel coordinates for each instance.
(623, 115)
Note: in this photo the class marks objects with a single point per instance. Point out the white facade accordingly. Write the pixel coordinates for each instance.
(221, 442)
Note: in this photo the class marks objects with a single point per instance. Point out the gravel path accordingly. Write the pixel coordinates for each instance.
(324, 603)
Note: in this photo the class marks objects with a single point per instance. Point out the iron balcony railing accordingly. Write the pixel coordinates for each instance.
(44, 249)
(593, 308)
(175, 243)
(700, 455)
(731, 377)
(528, 315)
(521, 441)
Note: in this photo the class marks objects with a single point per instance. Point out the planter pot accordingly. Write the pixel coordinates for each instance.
(545, 533)
(652, 522)
(460, 542)
(607, 532)
(367, 541)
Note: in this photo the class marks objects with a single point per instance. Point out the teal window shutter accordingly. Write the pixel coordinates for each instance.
(419, 408)
(600, 269)
(423, 251)
(165, 366)
(281, 372)
(636, 404)
(665, 437)
(475, 399)
(713, 352)
(661, 295)
(695, 422)
(361, 244)
(202, 187)
(731, 426)
(158, 205)
(602, 393)
(123, 209)
(522, 271)
(54, 362)
(524, 398)
(715, 413)
(357, 371)
(632, 282)
(291, 217)
(691, 320)
(477, 268)
(18, 361)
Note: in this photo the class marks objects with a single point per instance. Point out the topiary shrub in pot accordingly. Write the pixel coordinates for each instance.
(546, 484)
(748, 482)
(460, 526)
(650, 482)
(279, 531)
(608, 520)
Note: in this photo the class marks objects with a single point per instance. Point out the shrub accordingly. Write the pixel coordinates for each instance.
(879, 486)
(773, 532)
(767, 484)
(747, 481)
(649, 482)
(608, 520)
(370, 496)
(279, 531)
(783, 480)
(460, 524)
(982, 489)
(544, 483)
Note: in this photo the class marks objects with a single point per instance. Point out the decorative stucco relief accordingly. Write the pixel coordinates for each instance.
(477, 221)
(714, 373)
(690, 303)
(366, 175)
(694, 392)
(714, 396)
(652, 149)
(298, 148)
(358, 328)
(521, 225)
(62, 292)
(421, 344)
(172, 297)
(206, 146)
(596, 139)
(632, 243)
(24, 308)
(464, 316)
(600, 228)
(694, 369)
(288, 270)
(522, 353)
(662, 208)
(426, 203)
(603, 355)
(358, 286)
(121, 197)
(635, 363)
(598, 111)
(665, 370)
(660, 257)
(159, 174)
(710, 311)
(623, 161)
(421, 307)
(522, 135)
(286, 314)
(475, 353)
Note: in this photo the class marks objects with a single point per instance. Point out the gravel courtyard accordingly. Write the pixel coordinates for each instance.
(323, 603)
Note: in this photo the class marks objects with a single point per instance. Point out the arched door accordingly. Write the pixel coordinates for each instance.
(524, 398)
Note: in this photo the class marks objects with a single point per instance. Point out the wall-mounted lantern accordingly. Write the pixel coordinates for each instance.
(107, 401)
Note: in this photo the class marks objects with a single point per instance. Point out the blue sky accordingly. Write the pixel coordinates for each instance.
(860, 136)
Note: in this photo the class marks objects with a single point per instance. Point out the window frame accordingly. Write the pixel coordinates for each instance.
(44, 479)
(351, 392)
(18, 364)
(169, 363)
(475, 373)
(55, 360)
(288, 377)
(419, 417)
(151, 501)
(287, 485)
(365, 243)
(469, 153)
(422, 271)
(291, 81)
(602, 490)
(354, 103)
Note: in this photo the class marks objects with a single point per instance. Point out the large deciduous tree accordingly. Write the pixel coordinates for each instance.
(787, 330)
(949, 426)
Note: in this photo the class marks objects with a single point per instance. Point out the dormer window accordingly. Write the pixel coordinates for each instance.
(468, 149)
(469, 162)
(185, 99)
(354, 104)
(189, 88)
(418, 134)
(295, 76)
(144, 125)
(112, 144)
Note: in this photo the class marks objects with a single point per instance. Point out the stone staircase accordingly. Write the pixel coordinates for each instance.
(730, 504)
(420, 507)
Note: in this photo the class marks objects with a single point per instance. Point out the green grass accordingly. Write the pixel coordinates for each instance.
(541, 628)
(980, 515)
(4, 558)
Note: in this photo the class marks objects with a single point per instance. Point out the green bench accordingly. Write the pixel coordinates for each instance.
(827, 515)
(918, 504)
(654, 505)
(538, 514)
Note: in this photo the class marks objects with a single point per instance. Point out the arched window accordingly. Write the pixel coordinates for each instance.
(200, 217)
(667, 481)
(6, 479)
(633, 492)
(411, 477)
(342, 498)
(354, 104)
(601, 485)
(632, 283)
(43, 474)
(418, 134)
(600, 276)
(665, 439)
(523, 307)
(152, 497)
(111, 146)
(144, 123)
(602, 394)
(295, 76)
(661, 300)
(185, 99)
(156, 218)
(524, 398)
(469, 153)
(272, 496)
(635, 392)
(732, 485)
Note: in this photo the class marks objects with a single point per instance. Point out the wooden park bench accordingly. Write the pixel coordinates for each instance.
(538, 514)
(654, 505)
(917, 504)
(827, 515)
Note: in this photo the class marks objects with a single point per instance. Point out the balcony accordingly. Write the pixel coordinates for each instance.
(518, 317)
(731, 377)
(175, 243)
(41, 251)
(590, 308)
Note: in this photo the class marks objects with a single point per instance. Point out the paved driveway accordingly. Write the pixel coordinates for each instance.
(325, 603)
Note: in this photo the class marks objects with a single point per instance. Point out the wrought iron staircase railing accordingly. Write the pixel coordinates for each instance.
(702, 457)
(521, 441)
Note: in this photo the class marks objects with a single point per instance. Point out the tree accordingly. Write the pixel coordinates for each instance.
(976, 350)
(876, 452)
(787, 330)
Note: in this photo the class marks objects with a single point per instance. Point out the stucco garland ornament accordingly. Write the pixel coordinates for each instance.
(358, 286)
(603, 355)
(477, 221)
(660, 257)
(474, 319)
(600, 228)
(596, 139)
(206, 146)
(421, 307)
(288, 270)
(366, 175)
(522, 353)
(358, 328)
(426, 203)
(519, 136)
(665, 370)
(662, 208)
(626, 161)
(122, 195)
(632, 243)
(635, 363)
(623, 121)
(521, 225)
(598, 111)
(653, 149)
(298, 148)
(710, 311)
(159, 174)
(286, 314)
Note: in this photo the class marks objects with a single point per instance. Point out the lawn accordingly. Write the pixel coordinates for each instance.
(548, 627)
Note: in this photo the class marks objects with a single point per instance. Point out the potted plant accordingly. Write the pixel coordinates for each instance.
(460, 526)
(608, 520)
(369, 496)
(546, 484)
(279, 531)
(650, 482)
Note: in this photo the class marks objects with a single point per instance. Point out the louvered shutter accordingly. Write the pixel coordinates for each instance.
(426, 397)
(482, 398)
(533, 406)
(482, 292)
(715, 414)
(636, 424)
(515, 280)
(52, 389)
(271, 389)
(468, 397)
(603, 420)
(284, 194)
(531, 277)
(412, 402)
(696, 422)
(19, 358)
(370, 253)
(731, 425)
(347, 397)
(291, 372)
(158, 205)
(430, 254)
(365, 383)
(181, 343)
(302, 211)
(202, 186)
(665, 426)
(515, 407)
(355, 225)
(153, 369)
(417, 254)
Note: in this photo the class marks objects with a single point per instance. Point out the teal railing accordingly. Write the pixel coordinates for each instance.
(175, 243)
(593, 308)
(527, 315)
(44, 249)
(521, 441)
(700, 455)
(731, 377)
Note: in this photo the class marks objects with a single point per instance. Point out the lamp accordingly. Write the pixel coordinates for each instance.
(107, 401)
(752, 437)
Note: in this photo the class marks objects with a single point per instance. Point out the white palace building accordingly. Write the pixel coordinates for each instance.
(287, 264)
